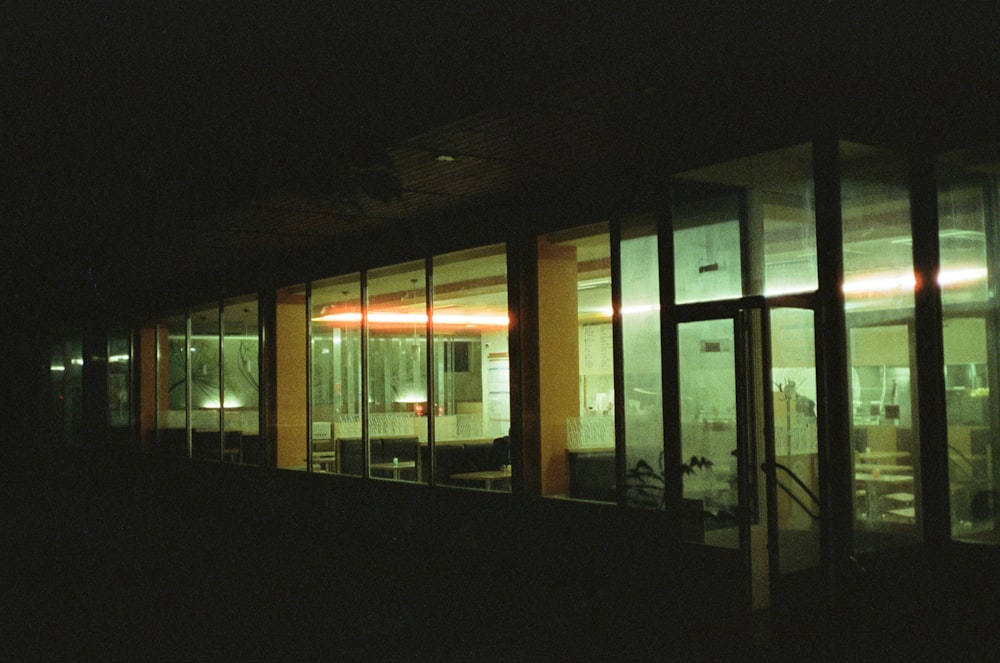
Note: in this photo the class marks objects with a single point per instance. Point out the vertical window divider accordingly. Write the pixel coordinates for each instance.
(365, 449)
(836, 491)
(157, 393)
(932, 412)
(188, 376)
(431, 408)
(992, 227)
(221, 417)
(520, 265)
(309, 378)
(618, 362)
(673, 491)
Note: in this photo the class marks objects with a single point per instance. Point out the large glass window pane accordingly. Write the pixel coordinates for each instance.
(119, 384)
(206, 384)
(774, 191)
(967, 187)
(707, 251)
(335, 390)
(707, 368)
(241, 372)
(796, 441)
(66, 380)
(878, 293)
(172, 386)
(576, 366)
(398, 402)
(471, 369)
(641, 369)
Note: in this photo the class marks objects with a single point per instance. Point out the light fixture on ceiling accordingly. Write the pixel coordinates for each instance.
(444, 158)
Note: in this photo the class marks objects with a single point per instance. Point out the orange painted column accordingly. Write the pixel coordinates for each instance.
(558, 360)
(292, 392)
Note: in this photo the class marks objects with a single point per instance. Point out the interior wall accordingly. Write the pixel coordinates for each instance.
(292, 393)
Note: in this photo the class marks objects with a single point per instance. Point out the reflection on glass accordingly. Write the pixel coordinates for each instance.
(172, 386)
(708, 425)
(641, 369)
(707, 256)
(398, 402)
(119, 388)
(241, 392)
(878, 294)
(335, 390)
(66, 381)
(577, 453)
(793, 379)
(774, 190)
(967, 183)
(206, 384)
(471, 369)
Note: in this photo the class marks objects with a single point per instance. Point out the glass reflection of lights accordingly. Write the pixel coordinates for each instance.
(887, 283)
(443, 319)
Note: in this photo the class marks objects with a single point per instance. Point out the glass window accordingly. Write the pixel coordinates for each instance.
(206, 384)
(398, 402)
(576, 367)
(119, 383)
(707, 369)
(878, 293)
(241, 392)
(707, 252)
(172, 386)
(641, 369)
(336, 375)
(967, 187)
(471, 369)
(774, 191)
(66, 380)
(796, 439)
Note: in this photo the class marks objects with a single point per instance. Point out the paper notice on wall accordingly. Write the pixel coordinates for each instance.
(596, 349)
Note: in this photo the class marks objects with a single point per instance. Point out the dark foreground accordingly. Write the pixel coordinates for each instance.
(97, 566)
(104, 561)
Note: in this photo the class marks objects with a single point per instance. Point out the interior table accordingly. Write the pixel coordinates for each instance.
(877, 484)
(395, 467)
(875, 456)
(489, 477)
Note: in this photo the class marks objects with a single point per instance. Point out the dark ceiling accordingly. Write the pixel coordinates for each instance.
(142, 141)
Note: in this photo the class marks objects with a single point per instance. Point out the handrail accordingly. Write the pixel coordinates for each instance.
(766, 465)
(794, 498)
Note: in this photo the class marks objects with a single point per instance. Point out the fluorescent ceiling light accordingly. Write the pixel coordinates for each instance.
(440, 319)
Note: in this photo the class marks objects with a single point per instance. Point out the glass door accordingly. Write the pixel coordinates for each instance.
(748, 438)
(721, 435)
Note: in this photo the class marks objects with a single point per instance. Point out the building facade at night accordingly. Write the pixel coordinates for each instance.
(751, 324)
